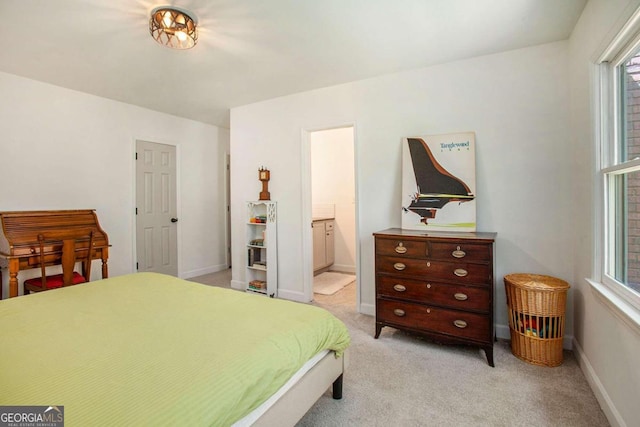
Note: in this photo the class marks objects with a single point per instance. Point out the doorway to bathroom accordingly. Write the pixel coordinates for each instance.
(334, 215)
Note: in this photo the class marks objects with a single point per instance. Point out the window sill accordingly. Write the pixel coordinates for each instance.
(621, 308)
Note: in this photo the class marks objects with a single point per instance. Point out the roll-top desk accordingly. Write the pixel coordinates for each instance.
(439, 285)
(19, 239)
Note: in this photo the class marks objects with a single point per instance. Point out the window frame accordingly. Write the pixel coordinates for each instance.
(608, 126)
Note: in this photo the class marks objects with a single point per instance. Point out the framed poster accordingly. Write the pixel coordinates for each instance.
(439, 182)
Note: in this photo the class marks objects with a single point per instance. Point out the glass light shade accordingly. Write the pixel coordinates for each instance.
(173, 28)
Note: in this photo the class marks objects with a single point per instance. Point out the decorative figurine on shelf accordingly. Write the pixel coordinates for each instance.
(264, 175)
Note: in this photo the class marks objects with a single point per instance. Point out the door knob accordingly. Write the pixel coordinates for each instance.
(174, 219)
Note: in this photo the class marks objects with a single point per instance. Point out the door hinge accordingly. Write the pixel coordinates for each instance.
(136, 156)
(136, 266)
(136, 211)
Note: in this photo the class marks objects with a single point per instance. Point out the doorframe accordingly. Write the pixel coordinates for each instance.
(134, 193)
(307, 219)
(227, 201)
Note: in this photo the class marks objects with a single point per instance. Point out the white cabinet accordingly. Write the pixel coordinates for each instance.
(330, 252)
(262, 252)
(323, 244)
(319, 246)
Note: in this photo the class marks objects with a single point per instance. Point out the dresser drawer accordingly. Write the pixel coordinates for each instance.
(400, 247)
(460, 251)
(454, 296)
(459, 272)
(432, 319)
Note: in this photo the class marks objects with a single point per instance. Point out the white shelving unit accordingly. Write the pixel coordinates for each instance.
(262, 248)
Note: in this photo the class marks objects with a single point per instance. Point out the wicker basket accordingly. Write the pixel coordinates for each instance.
(536, 317)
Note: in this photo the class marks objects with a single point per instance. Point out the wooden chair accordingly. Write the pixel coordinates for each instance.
(68, 277)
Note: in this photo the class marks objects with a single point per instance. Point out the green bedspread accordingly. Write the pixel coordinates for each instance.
(149, 349)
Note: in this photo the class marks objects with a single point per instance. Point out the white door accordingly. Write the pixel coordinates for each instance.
(156, 220)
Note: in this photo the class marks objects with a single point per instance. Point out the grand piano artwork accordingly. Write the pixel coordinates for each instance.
(19, 247)
(433, 196)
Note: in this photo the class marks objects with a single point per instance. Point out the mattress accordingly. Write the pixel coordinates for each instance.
(149, 349)
(254, 415)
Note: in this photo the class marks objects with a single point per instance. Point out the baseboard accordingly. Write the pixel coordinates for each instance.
(282, 294)
(609, 409)
(202, 271)
(238, 284)
(291, 295)
(342, 268)
(502, 331)
(369, 309)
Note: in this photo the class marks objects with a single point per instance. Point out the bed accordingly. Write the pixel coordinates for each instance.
(150, 349)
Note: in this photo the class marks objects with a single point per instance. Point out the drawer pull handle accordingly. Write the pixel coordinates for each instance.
(460, 296)
(399, 266)
(428, 285)
(458, 253)
(460, 272)
(399, 312)
(460, 324)
(401, 249)
(400, 288)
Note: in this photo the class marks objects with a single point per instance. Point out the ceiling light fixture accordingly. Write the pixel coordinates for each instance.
(173, 27)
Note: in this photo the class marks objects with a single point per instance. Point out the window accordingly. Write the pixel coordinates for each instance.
(620, 170)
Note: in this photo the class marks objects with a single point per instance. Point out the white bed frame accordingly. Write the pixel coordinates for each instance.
(296, 397)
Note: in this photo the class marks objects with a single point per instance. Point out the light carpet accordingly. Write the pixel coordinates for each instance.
(330, 282)
(403, 380)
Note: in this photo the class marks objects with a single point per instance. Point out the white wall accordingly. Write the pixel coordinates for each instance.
(516, 102)
(332, 182)
(63, 149)
(607, 347)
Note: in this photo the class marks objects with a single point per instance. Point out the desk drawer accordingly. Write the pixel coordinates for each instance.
(427, 292)
(432, 319)
(49, 258)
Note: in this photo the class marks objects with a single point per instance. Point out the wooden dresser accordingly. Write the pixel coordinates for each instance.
(439, 285)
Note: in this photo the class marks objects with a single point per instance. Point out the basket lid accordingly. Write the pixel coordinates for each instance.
(536, 281)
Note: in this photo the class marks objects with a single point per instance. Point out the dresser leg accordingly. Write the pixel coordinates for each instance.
(489, 352)
(378, 329)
